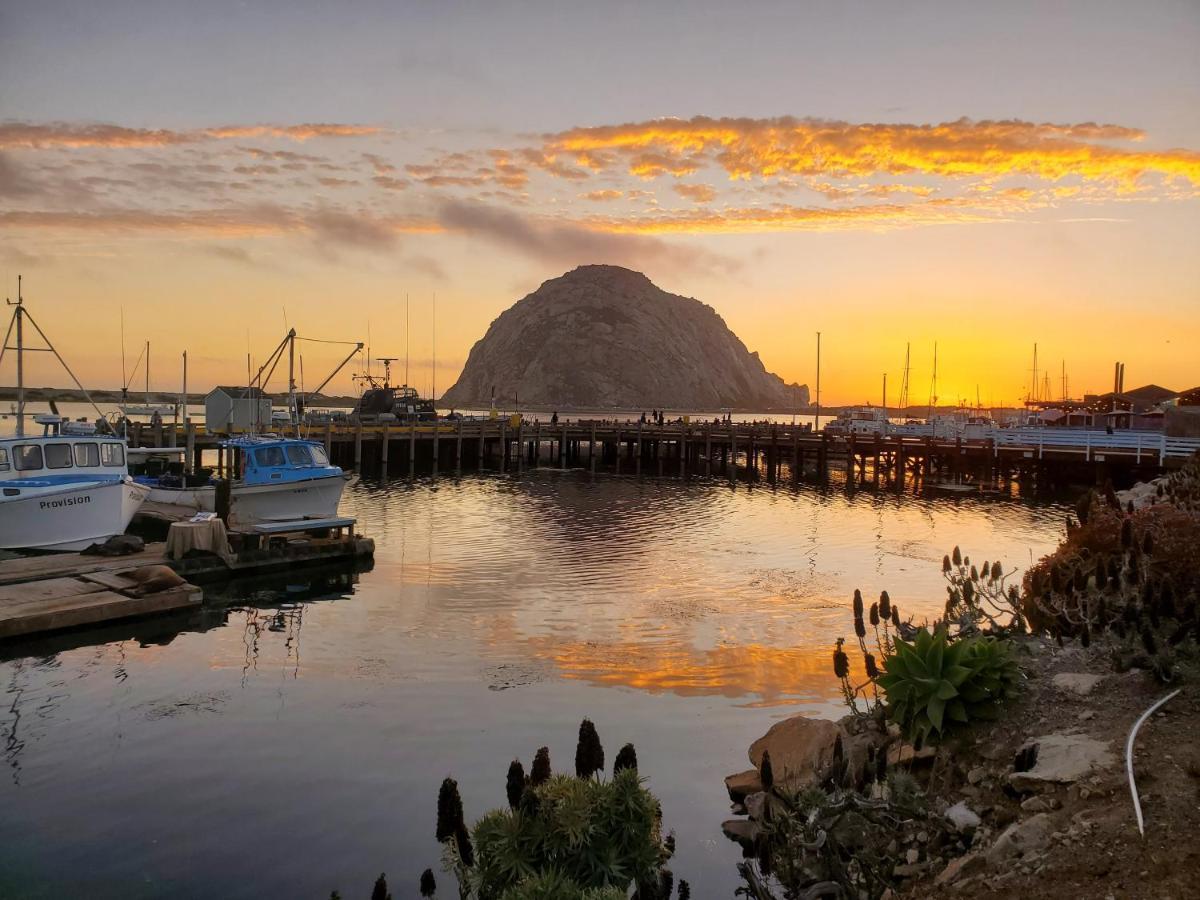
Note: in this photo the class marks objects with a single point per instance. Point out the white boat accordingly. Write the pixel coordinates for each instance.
(60, 492)
(860, 420)
(282, 480)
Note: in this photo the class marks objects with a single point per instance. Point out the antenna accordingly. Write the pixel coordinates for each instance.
(433, 367)
(407, 332)
(387, 368)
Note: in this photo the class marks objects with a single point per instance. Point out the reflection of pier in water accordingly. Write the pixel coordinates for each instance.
(265, 606)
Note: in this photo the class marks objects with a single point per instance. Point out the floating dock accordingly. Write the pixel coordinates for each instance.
(69, 590)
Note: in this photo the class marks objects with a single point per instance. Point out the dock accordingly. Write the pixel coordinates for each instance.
(710, 447)
(47, 593)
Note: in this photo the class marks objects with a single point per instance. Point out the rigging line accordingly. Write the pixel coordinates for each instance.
(323, 341)
(88, 396)
(134, 371)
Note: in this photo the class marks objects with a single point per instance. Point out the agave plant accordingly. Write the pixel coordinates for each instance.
(932, 682)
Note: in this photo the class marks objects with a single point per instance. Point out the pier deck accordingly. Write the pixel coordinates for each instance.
(708, 447)
(68, 590)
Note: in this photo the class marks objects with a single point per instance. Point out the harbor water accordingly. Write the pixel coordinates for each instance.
(289, 740)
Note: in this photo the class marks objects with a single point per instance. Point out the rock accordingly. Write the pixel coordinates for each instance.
(1035, 804)
(743, 784)
(965, 865)
(1077, 682)
(1021, 839)
(1087, 715)
(605, 336)
(976, 775)
(1063, 759)
(756, 805)
(912, 855)
(962, 816)
(910, 870)
(801, 748)
(741, 830)
(905, 754)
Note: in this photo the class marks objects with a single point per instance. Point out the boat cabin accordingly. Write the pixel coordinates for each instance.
(267, 460)
(55, 457)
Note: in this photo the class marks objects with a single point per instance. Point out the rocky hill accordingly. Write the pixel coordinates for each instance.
(604, 336)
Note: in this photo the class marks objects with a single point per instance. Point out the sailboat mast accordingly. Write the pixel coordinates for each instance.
(292, 374)
(933, 384)
(433, 368)
(407, 332)
(20, 362)
(903, 401)
(147, 373)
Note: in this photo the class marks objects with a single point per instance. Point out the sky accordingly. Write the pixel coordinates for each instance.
(982, 176)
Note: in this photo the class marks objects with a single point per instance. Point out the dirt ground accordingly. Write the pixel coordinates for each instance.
(1087, 845)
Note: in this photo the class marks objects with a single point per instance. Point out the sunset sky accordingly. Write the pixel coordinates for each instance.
(983, 175)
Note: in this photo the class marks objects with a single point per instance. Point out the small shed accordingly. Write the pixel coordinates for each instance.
(229, 410)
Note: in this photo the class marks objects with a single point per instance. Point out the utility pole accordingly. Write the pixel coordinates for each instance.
(817, 418)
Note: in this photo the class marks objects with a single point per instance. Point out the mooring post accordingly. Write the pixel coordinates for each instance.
(383, 450)
(823, 457)
(358, 445)
(437, 433)
(412, 449)
(479, 461)
(732, 453)
(503, 447)
(537, 445)
(638, 464)
(223, 499)
(520, 445)
(683, 448)
(458, 448)
(562, 448)
(329, 439)
(592, 448)
(707, 450)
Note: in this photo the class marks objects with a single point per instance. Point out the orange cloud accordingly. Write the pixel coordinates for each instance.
(697, 193)
(602, 196)
(27, 136)
(771, 148)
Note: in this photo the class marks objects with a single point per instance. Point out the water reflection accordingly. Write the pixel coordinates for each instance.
(326, 705)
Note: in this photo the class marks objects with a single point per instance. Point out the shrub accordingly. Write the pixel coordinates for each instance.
(932, 681)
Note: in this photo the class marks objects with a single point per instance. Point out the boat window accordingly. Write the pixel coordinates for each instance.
(87, 454)
(319, 457)
(112, 455)
(298, 455)
(27, 457)
(269, 456)
(58, 456)
(3, 460)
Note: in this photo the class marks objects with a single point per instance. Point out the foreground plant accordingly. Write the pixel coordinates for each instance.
(564, 837)
(933, 682)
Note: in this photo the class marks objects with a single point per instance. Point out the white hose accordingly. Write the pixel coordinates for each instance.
(1137, 803)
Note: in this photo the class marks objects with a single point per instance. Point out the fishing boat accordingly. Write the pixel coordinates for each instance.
(280, 480)
(61, 492)
(859, 420)
(381, 402)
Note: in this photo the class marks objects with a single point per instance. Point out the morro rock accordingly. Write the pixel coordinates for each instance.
(604, 336)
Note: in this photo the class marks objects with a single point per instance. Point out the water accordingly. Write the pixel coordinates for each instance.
(291, 740)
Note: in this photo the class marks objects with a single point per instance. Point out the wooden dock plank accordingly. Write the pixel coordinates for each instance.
(89, 608)
(58, 565)
(47, 589)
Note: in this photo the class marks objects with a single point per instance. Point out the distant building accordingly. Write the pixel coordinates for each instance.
(228, 410)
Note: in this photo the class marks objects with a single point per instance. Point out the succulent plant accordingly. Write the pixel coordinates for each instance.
(589, 753)
(514, 785)
(428, 883)
(539, 773)
(932, 682)
(449, 810)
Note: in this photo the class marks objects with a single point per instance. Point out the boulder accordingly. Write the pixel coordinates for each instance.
(1063, 759)
(1076, 682)
(905, 754)
(801, 749)
(744, 831)
(743, 784)
(1021, 839)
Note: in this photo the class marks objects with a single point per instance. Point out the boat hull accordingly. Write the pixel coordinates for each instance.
(257, 503)
(68, 517)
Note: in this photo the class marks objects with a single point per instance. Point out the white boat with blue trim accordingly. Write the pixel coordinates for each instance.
(281, 479)
(62, 492)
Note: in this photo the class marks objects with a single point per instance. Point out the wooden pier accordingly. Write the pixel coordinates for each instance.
(709, 448)
(70, 590)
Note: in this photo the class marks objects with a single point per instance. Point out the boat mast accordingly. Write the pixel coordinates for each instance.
(147, 373)
(933, 384)
(903, 401)
(18, 317)
(406, 342)
(433, 368)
